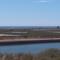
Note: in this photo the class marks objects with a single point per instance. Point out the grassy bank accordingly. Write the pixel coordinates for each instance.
(50, 54)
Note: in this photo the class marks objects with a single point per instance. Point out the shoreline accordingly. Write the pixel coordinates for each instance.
(28, 39)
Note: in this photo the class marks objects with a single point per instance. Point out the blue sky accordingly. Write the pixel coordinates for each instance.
(29, 12)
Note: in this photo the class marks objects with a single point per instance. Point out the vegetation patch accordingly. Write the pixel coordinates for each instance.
(49, 54)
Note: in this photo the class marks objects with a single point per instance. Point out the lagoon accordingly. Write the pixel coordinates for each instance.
(33, 48)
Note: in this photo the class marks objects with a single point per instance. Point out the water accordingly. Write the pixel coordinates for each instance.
(33, 48)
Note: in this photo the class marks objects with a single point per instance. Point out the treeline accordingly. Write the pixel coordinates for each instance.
(50, 54)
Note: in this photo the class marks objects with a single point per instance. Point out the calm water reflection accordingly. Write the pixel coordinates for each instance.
(28, 48)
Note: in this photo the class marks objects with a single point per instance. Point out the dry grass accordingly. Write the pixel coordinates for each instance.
(50, 54)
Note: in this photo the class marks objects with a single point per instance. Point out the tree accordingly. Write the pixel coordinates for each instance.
(58, 27)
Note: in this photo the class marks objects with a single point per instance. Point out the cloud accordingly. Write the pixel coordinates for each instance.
(41, 1)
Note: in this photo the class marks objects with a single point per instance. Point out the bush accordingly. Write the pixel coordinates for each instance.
(49, 54)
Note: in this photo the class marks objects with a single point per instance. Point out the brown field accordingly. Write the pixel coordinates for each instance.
(29, 33)
(13, 35)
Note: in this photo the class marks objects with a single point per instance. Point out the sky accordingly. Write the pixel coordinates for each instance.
(29, 12)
